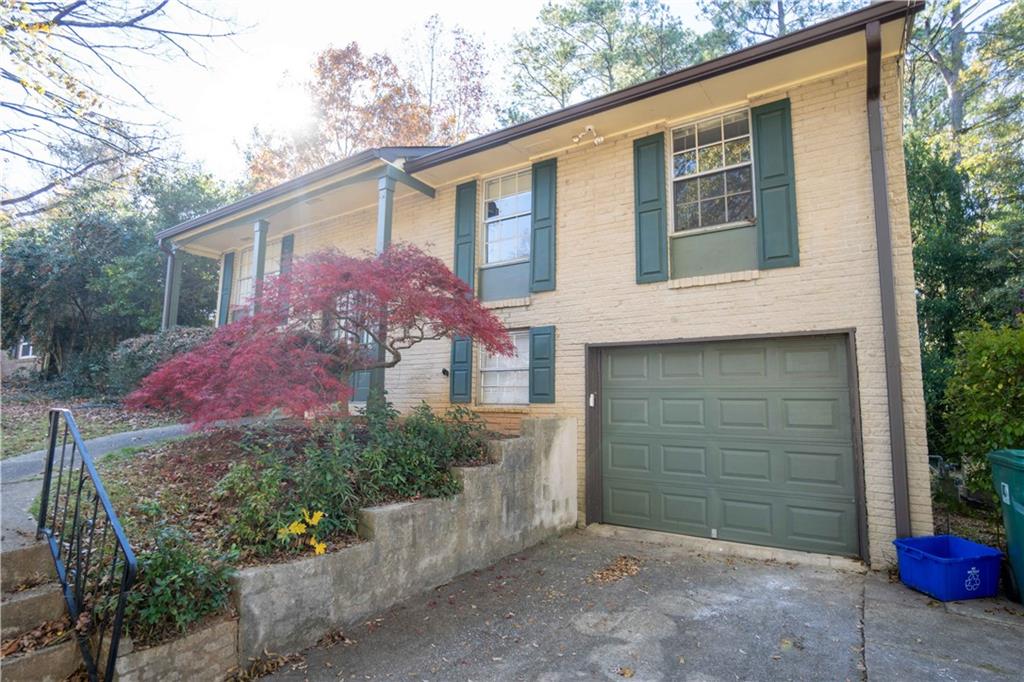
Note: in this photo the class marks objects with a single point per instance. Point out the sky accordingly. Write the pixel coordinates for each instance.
(254, 78)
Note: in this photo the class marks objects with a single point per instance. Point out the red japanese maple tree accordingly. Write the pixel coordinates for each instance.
(314, 326)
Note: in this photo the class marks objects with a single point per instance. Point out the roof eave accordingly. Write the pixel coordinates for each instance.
(844, 25)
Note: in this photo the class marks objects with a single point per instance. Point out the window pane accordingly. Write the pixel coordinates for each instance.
(712, 186)
(712, 212)
(735, 125)
(687, 216)
(737, 180)
(709, 131)
(684, 138)
(737, 151)
(490, 210)
(710, 157)
(492, 188)
(686, 191)
(741, 207)
(685, 163)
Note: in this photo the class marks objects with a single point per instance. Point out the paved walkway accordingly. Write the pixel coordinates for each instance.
(684, 616)
(21, 479)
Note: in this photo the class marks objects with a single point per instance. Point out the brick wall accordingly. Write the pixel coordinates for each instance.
(598, 301)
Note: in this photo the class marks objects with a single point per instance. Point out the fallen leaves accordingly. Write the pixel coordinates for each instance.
(50, 632)
(623, 566)
(625, 672)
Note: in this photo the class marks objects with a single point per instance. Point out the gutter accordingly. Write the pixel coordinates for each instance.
(887, 282)
(847, 24)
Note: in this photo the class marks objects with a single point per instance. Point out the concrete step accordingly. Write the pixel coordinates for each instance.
(49, 664)
(25, 610)
(26, 565)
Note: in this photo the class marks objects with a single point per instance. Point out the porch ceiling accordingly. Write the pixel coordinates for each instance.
(304, 206)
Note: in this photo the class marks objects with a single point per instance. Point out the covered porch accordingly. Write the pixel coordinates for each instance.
(255, 237)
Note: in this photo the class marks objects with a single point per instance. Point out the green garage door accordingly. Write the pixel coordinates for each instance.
(741, 440)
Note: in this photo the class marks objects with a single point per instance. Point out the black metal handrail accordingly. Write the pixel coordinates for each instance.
(95, 564)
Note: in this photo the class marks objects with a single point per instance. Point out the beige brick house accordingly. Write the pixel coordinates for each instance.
(710, 271)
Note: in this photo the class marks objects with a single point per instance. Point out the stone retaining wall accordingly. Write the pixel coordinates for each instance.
(526, 496)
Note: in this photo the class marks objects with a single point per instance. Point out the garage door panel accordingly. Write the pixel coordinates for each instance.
(749, 440)
(676, 509)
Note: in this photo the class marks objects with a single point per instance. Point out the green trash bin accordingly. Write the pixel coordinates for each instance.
(1008, 477)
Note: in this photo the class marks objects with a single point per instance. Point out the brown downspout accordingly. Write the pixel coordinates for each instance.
(887, 283)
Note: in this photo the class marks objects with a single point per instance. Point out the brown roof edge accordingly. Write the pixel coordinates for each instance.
(853, 22)
(388, 154)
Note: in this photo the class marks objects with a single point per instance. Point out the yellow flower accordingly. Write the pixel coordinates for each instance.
(282, 533)
(297, 528)
(320, 548)
(313, 519)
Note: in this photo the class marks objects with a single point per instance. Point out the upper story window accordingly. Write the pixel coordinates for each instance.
(712, 178)
(506, 380)
(507, 205)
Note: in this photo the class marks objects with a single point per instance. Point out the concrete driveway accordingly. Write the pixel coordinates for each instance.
(541, 615)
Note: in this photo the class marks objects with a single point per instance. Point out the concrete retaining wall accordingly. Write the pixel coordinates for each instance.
(526, 496)
(206, 654)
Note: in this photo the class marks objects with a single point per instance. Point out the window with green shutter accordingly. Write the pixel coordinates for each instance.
(733, 199)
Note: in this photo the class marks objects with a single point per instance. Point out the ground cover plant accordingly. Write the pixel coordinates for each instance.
(197, 508)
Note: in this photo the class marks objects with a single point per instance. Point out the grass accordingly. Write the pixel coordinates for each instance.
(24, 419)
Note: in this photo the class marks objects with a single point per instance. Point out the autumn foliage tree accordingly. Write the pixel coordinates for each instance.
(434, 96)
(316, 325)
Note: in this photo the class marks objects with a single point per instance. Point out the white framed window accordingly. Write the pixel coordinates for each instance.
(25, 350)
(507, 206)
(506, 380)
(242, 290)
(712, 172)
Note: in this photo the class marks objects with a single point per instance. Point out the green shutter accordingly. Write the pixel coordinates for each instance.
(287, 250)
(542, 365)
(776, 192)
(462, 370)
(228, 275)
(542, 234)
(465, 232)
(649, 197)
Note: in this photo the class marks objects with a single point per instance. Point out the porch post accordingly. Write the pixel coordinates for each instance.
(385, 214)
(259, 259)
(172, 289)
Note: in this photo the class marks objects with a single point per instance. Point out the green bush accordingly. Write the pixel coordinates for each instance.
(257, 494)
(178, 584)
(413, 457)
(985, 396)
(133, 359)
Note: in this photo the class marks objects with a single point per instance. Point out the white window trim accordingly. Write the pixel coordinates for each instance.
(32, 351)
(481, 371)
(670, 173)
(484, 222)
